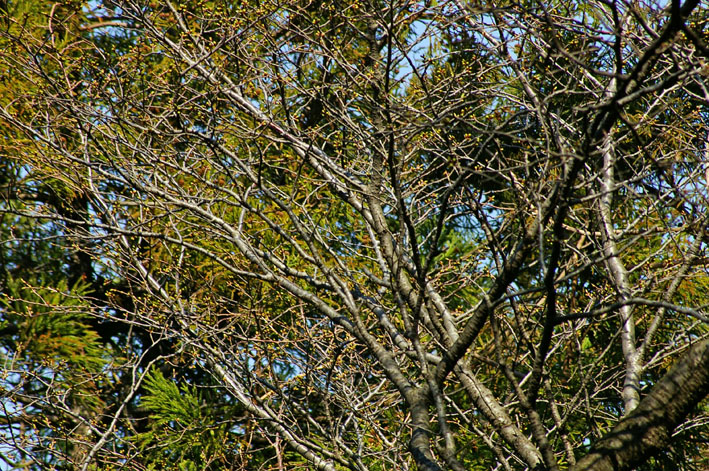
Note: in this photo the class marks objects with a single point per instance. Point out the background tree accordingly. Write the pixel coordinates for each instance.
(361, 235)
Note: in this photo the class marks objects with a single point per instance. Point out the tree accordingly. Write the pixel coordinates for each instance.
(356, 235)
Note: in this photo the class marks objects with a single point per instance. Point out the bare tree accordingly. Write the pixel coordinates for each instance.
(400, 235)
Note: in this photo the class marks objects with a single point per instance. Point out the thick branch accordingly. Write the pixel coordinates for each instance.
(647, 429)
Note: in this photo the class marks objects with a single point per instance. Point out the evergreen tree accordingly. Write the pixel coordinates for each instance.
(353, 235)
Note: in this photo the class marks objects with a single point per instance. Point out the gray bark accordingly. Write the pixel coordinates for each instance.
(648, 429)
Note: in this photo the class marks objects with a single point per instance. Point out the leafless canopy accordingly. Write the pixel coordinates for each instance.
(401, 234)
